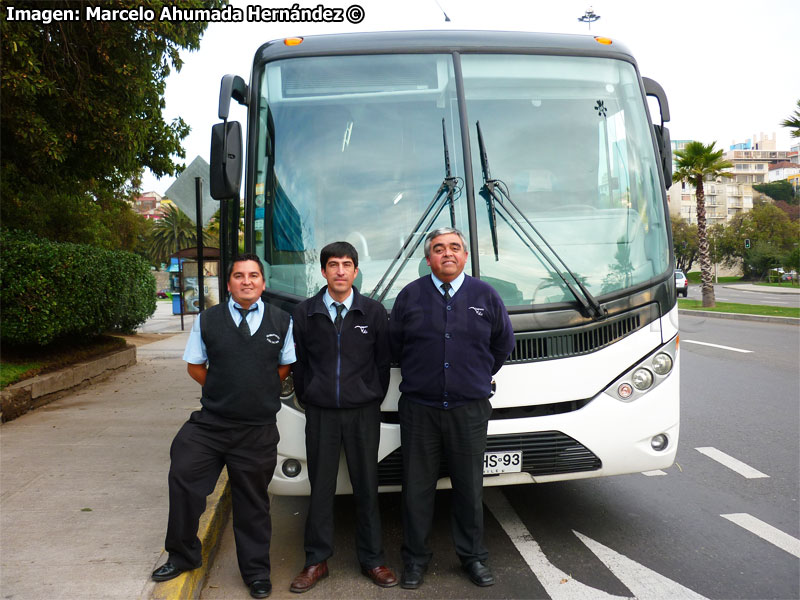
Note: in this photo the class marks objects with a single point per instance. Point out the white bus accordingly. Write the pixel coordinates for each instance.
(541, 149)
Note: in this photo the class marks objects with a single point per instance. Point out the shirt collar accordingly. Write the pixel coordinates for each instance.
(454, 285)
(233, 305)
(326, 298)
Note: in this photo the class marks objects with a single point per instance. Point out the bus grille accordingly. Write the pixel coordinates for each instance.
(531, 347)
(543, 453)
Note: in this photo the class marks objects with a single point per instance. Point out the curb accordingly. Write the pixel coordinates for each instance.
(19, 398)
(739, 316)
(188, 585)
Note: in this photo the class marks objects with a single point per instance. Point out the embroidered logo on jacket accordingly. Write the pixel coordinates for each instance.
(362, 328)
(478, 310)
(273, 338)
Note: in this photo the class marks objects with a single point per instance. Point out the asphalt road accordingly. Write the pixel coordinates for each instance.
(742, 295)
(722, 522)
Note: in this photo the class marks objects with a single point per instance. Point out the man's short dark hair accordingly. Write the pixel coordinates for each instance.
(338, 250)
(242, 258)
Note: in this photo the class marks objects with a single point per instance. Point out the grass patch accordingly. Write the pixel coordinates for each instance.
(11, 372)
(21, 362)
(746, 309)
(694, 277)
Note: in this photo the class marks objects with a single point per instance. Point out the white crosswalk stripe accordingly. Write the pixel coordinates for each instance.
(732, 463)
(767, 532)
(645, 583)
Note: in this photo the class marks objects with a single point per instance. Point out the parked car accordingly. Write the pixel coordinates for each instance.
(681, 283)
(789, 276)
(162, 294)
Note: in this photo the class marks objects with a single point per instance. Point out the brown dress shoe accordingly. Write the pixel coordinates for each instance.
(382, 576)
(309, 577)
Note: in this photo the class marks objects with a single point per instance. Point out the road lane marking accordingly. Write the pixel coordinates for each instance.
(717, 346)
(732, 463)
(645, 583)
(558, 584)
(767, 532)
(656, 473)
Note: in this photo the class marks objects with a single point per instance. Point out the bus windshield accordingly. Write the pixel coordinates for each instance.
(351, 148)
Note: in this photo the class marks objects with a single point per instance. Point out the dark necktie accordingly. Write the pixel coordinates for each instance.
(446, 287)
(243, 326)
(338, 320)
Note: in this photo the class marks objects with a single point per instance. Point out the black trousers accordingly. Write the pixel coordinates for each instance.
(357, 430)
(427, 435)
(201, 448)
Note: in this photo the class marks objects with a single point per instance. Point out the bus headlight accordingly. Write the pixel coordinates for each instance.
(646, 374)
(288, 397)
(642, 379)
(662, 363)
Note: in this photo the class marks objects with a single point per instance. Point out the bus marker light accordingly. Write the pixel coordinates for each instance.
(603, 40)
(291, 467)
(293, 41)
(625, 390)
(659, 442)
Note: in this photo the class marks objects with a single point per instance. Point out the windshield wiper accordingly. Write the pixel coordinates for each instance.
(445, 195)
(499, 203)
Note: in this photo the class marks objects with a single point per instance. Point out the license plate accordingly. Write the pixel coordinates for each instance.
(502, 462)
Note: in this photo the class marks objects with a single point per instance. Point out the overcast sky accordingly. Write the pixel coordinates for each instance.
(731, 70)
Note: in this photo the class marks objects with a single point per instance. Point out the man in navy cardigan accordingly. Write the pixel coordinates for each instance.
(451, 333)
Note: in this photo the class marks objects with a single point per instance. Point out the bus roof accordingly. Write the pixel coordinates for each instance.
(445, 42)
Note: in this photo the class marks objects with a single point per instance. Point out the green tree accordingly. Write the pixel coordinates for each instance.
(172, 232)
(772, 234)
(82, 111)
(684, 241)
(793, 122)
(777, 190)
(696, 163)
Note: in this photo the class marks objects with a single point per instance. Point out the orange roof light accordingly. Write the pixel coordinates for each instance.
(603, 40)
(293, 41)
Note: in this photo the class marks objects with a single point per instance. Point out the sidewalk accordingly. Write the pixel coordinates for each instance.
(83, 480)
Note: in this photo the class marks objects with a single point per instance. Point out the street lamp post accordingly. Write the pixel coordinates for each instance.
(589, 17)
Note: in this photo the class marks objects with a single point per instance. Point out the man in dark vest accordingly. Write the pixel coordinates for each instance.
(341, 376)
(450, 333)
(239, 352)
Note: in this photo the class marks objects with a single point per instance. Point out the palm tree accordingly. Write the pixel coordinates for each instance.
(793, 122)
(696, 163)
(172, 232)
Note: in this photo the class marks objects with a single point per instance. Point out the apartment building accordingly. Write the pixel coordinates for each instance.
(728, 196)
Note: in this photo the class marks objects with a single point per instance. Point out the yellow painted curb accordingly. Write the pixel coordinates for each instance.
(188, 585)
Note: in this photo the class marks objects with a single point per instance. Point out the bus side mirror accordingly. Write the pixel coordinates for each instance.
(226, 160)
(663, 140)
(665, 151)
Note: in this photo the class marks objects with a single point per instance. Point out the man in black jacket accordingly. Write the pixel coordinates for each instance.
(341, 376)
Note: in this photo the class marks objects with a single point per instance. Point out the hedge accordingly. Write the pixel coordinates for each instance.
(50, 291)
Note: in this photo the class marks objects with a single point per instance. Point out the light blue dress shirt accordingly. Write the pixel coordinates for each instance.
(454, 285)
(330, 304)
(196, 354)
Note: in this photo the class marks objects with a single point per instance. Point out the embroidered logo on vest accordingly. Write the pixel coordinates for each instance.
(273, 338)
(362, 328)
(478, 310)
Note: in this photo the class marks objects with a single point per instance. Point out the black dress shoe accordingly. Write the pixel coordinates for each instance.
(166, 572)
(479, 574)
(261, 588)
(412, 577)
